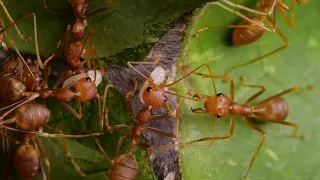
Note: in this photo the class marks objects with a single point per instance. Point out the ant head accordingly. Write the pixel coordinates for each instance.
(78, 29)
(26, 153)
(12, 65)
(87, 88)
(152, 95)
(218, 106)
(76, 54)
(144, 116)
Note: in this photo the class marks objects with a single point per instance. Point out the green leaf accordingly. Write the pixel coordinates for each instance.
(281, 156)
(126, 24)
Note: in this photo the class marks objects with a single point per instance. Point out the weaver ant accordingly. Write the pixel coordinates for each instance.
(75, 51)
(273, 109)
(252, 28)
(125, 166)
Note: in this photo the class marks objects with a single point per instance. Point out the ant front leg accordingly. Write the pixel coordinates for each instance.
(67, 153)
(226, 78)
(96, 11)
(212, 139)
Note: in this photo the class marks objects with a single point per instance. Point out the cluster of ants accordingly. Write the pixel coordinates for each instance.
(24, 82)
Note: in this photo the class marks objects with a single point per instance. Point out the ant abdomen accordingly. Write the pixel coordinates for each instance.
(31, 117)
(275, 109)
(26, 161)
(124, 168)
(246, 35)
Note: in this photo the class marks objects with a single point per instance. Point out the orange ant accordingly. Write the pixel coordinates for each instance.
(30, 119)
(75, 52)
(125, 166)
(153, 91)
(273, 109)
(250, 29)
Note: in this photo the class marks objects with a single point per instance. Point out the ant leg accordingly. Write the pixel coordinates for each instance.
(162, 133)
(262, 90)
(13, 23)
(71, 110)
(102, 150)
(120, 144)
(163, 116)
(54, 135)
(104, 108)
(128, 97)
(62, 78)
(286, 44)
(214, 138)
(96, 11)
(150, 150)
(84, 46)
(40, 147)
(76, 166)
(9, 138)
(293, 15)
(280, 94)
(237, 14)
(52, 9)
(30, 96)
(154, 62)
(238, 6)
(46, 72)
(295, 126)
(226, 78)
(5, 48)
(2, 43)
(260, 144)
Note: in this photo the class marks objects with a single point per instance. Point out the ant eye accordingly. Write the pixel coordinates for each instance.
(88, 79)
(40, 78)
(15, 71)
(149, 89)
(82, 58)
(1, 29)
(165, 98)
(218, 115)
(220, 94)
